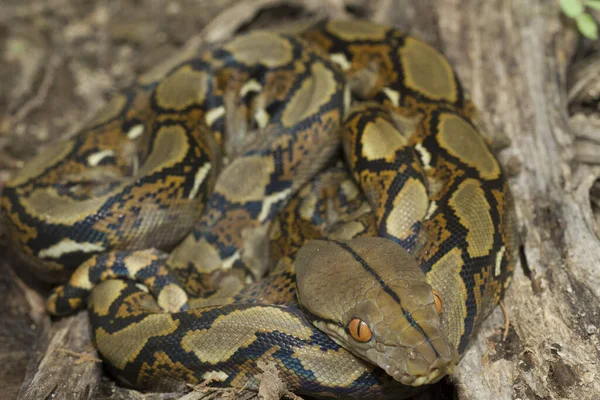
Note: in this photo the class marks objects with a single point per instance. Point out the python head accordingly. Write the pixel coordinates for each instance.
(371, 297)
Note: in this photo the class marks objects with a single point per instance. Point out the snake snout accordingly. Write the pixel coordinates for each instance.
(417, 375)
(413, 368)
(436, 371)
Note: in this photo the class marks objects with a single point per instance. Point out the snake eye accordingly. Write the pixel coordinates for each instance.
(437, 298)
(359, 330)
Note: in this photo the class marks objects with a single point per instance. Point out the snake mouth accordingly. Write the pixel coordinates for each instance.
(419, 373)
(434, 375)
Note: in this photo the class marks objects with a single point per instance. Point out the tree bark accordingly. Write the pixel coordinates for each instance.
(511, 55)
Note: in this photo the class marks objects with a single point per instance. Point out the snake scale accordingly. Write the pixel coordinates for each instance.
(177, 198)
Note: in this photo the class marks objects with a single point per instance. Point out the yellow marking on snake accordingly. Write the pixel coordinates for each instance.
(214, 114)
(251, 86)
(270, 200)
(67, 246)
(229, 261)
(135, 132)
(261, 47)
(462, 140)
(182, 89)
(393, 95)
(341, 60)
(215, 376)
(81, 278)
(171, 298)
(381, 140)
(105, 294)
(406, 125)
(347, 99)
(261, 117)
(219, 342)
(96, 158)
(137, 261)
(75, 303)
(427, 71)
(432, 208)
(473, 212)
(348, 368)
(499, 257)
(315, 92)
(410, 206)
(245, 179)
(200, 253)
(445, 278)
(424, 154)
(122, 347)
(142, 287)
(484, 289)
(170, 148)
(198, 179)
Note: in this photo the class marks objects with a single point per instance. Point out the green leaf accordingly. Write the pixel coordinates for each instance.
(595, 4)
(571, 8)
(587, 26)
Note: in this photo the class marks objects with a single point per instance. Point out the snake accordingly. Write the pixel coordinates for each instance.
(323, 201)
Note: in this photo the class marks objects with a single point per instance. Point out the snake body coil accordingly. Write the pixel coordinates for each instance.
(199, 181)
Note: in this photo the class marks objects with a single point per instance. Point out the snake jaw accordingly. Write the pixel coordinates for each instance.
(415, 366)
(436, 371)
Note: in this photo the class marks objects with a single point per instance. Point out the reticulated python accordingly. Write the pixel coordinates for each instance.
(229, 161)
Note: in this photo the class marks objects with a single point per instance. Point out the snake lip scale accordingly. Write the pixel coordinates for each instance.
(323, 201)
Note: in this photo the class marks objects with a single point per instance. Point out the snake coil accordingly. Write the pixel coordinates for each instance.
(198, 181)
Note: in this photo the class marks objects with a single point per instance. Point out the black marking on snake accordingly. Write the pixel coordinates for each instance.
(388, 290)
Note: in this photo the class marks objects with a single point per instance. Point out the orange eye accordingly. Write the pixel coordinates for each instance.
(437, 298)
(359, 330)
